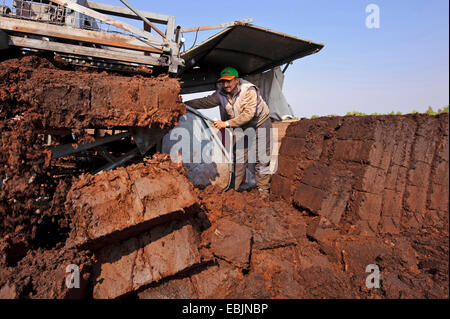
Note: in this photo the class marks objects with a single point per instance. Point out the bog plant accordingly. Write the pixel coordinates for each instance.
(429, 111)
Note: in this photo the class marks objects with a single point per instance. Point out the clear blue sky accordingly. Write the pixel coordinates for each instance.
(402, 66)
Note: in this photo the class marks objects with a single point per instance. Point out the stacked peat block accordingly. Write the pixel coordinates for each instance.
(251, 245)
(139, 223)
(79, 99)
(368, 175)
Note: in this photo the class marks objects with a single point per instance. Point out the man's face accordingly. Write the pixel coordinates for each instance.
(230, 86)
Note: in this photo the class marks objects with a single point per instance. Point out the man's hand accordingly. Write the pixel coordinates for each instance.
(219, 125)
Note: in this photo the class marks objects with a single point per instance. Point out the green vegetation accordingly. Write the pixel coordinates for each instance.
(355, 113)
(330, 115)
(429, 111)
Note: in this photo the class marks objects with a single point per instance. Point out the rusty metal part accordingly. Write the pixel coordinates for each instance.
(146, 138)
(103, 64)
(120, 161)
(108, 20)
(105, 154)
(127, 13)
(81, 50)
(217, 26)
(69, 149)
(143, 18)
(64, 32)
(71, 27)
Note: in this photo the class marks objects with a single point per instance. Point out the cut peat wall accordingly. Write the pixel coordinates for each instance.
(80, 99)
(368, 175)
(38, 96)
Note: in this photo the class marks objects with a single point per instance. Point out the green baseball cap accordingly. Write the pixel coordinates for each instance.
(228, 73)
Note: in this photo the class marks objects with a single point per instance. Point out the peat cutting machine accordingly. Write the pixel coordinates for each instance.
(94, 35)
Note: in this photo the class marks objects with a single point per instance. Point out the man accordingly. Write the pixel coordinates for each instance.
(242, 106)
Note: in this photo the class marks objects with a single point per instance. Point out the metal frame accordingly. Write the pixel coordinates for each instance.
(200, 76)
(144, 139)
(4, 42)
(169, 21)
(80, 50)
(137, 46)
(217, 26)
(69, 149)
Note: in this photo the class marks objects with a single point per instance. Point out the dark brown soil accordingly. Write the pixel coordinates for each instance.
(40, 273)
(284, 260)
(77, 99)
(140, 196)
(39, 97)
(349, 192)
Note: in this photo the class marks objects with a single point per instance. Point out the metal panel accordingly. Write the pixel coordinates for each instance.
(198, 88)
(127, 13)
(242, 61)
(80, 50)
(170, 28)
(3, 40)
(77, 20)
(149, 23)
(216, 26)
(250, 49)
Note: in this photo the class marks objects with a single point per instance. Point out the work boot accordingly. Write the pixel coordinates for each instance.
(263, 193)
